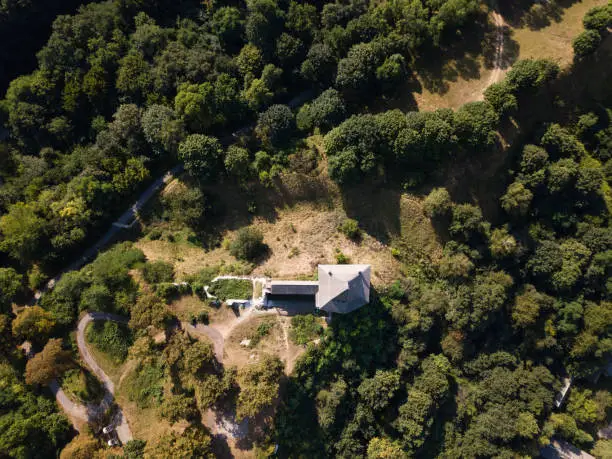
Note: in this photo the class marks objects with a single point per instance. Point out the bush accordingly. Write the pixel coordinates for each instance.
(437, 203)
(263, 330)
(81, 385)
(111, 338)
(350, 228)
(156, 272)
(248, 244)
(586, 43)
(145, 385)
(305, 328)
(342, 259)
(168, 291)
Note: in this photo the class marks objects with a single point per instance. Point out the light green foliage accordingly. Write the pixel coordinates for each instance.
(528, 305)
(177, 407)
(305, 328)
(383, 448)
(501, 98)
(517, 199)
(259, 384)
(144, 385)
(21, 230)
(376, 392)
(81, 385)
(466, 221)
(33, 324)
(11, 283)
(455, 266)
(327, 403)
(392, 73)
(502, 244)
(186, 205)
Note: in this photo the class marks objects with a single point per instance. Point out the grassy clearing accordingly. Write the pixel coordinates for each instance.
(81, 386)
(555, 40)
(189, 306)
(238, 289)
(299, 219)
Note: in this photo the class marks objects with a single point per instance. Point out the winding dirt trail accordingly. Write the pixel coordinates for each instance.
(121, 424)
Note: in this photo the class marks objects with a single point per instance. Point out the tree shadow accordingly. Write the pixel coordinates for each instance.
(377, 209)
(457, 57)
(534, 15)
(220, 447)
(510, 53)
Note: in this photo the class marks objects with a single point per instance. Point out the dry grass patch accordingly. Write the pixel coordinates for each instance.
(189, 306)
(555, 40)
(271, 343)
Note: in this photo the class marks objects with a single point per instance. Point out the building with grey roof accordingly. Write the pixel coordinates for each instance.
(343, 288)
(340, 289)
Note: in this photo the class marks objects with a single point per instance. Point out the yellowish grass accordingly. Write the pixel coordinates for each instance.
(555, 41)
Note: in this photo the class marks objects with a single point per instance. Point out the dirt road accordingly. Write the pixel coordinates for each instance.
(122, 427)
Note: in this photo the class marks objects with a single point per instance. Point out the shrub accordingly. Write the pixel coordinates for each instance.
(156, 272)
(145, 385)
(437, 203)
(350, 228)
(111, 338)
(342, 259)
(586, 43)
(263, 330)
(305, 328)
(248, 244)
(169, 291)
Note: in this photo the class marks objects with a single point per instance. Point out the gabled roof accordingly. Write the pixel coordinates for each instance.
(293, 287)
(343, 288)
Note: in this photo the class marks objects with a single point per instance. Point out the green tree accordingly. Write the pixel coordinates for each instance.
(227, 23)
(33, 324)
(598, 18)
(148, 311)
(158, 271)
(237, 161)
(501, 98)
(319, 66)
(377, 391)
(502, 244)
(248, 244)
(517, 199)
(437, 203)
(259, 384)
(11, 284)
(324, 112)
(201, 155)
(384, 448)
(194, 441)
(48, 364)
(392, 73)
(22, 230)
(276, 125)
(586, 43)
(528, 305)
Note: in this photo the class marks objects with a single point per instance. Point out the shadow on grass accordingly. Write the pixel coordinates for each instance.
(535, 15)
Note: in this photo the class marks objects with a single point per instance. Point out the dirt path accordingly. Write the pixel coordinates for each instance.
(497, 73)
(122, 427)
